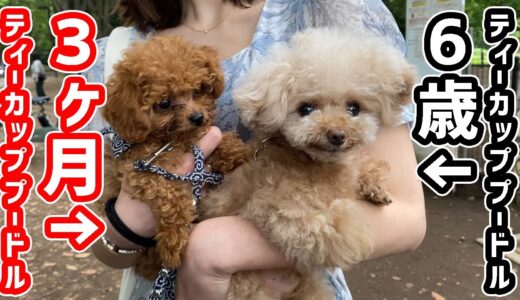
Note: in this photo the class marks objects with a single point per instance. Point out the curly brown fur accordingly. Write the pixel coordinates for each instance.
(153, 95)
(310, 164)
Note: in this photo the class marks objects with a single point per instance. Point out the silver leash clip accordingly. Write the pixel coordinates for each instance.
(166, 148)
(259, 148)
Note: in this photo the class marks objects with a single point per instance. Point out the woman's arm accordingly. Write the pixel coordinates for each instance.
(396, 228)
(401, 226)
(138, 217)
(220, 247)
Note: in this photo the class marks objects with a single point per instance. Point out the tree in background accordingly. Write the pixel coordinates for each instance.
(398, 9)
(101, 10)
(42, 10)
(474, 10)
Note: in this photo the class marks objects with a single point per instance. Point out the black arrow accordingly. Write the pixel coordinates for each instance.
(440, 171)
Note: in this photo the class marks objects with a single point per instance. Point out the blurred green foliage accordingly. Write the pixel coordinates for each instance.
(474, 9)
(480, 57)
(42, 10)
(398, 9)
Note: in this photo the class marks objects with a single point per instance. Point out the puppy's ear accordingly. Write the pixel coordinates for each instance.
(213, 65)
(124, 109)
(262, 100)
(406, 84)
(395, 92)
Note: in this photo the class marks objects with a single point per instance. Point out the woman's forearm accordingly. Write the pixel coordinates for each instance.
(227, 245)
(235, 244)
(111, 259)
(138, 217)
(395, 229)
(230, 244)
(401, 226)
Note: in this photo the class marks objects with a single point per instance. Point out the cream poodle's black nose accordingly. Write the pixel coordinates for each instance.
(197, 118)
(336, 137)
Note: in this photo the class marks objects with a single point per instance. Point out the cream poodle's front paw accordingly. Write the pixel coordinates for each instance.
(376, 195)
(372, 188)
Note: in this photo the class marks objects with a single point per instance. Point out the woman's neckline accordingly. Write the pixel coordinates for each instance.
(241, 51)
(253, 38)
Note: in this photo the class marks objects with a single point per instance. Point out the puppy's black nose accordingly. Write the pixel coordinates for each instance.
(197, 118)
(336, 137)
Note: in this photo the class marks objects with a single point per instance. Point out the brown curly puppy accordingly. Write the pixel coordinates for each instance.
(313, 105)
(164, 90)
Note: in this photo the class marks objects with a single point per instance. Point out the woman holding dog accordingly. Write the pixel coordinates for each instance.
(242, 31)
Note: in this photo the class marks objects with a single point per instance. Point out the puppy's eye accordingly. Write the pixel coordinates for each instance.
(164, 104)
(353, 109)
(306, 109)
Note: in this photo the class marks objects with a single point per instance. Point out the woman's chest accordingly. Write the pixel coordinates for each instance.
(231, 33)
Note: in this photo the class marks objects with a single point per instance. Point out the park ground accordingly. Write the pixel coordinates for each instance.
(448, 264)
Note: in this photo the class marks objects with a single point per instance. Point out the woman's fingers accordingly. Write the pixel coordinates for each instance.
(208, 143)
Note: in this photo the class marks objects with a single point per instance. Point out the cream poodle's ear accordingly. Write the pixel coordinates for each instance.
(262, 100)
(395, 91)
(124, 110)
(406, 84)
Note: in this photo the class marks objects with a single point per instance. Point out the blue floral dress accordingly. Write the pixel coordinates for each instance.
(279, 20)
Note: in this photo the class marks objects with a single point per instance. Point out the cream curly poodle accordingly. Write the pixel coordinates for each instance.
(313, 105)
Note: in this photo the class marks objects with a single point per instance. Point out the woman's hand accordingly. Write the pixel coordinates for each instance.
(219, 247)
(138, 217)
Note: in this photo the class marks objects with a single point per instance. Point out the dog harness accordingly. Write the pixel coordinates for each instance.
(197, 178)
(164, 285)
(165, 282)
(119, 146)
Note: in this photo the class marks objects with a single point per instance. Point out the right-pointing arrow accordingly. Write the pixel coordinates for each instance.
(440, 171)
(80, 228)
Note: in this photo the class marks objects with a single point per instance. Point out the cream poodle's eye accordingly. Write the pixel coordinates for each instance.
(164, 104)
(353, 109)
(306, 109)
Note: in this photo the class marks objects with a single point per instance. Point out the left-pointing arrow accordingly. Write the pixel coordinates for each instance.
(440, 171)
(80, 228)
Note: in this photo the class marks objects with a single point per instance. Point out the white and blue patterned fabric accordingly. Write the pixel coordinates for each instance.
(164, 285)
(198, 177)
(279, 20)
(119, 145)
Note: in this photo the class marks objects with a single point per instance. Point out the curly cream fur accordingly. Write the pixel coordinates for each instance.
(299, 189)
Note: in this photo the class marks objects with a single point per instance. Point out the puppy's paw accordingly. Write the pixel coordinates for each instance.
(375, 194)
(372, 182)
(230, 154)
